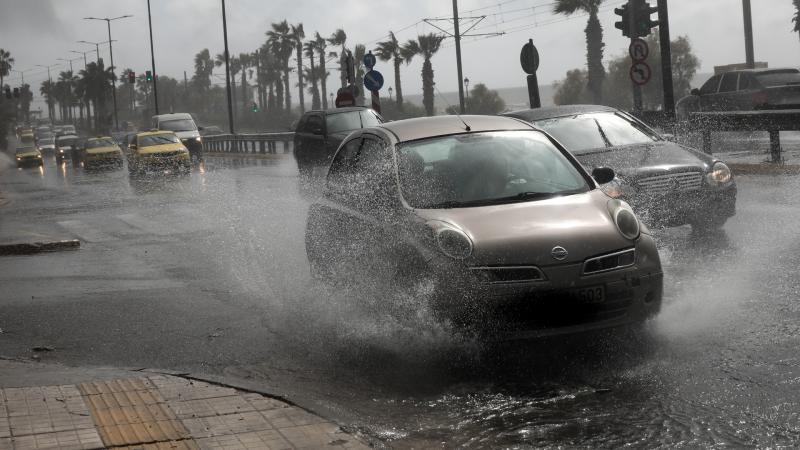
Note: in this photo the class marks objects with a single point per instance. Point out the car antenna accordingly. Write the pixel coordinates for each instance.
(466, 127)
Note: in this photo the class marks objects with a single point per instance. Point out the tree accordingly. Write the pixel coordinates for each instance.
(6, 63)
(245, 62)
(390, 49)
(795, 19)
(426, 46)
(321, 47)
(571, 90)
(298, 34)
(313, 75)
(47, 90)
(234, 66)
(339, 37)
(203, 67)
(358, 56)
(594, 42)
(482, 100)
(25, 97)
(282, 46)
(95, 81)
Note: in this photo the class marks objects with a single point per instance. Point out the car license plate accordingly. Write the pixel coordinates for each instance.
(593, 294)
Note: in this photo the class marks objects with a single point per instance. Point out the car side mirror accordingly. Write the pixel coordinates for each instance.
(603, 175)
(696, 92)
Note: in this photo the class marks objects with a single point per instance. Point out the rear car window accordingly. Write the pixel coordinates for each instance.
(344, 121)
(729, 82)
(778, 78)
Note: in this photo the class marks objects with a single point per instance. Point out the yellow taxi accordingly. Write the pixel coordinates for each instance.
(101, 152)
(157, 150)
(28, 156)
(26, 138)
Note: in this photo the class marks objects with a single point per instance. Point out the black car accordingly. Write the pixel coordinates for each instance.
(319, 133)
(744, 90)
(666, 183)
(66, 147)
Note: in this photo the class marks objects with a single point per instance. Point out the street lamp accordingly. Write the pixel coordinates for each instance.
(96, 47)
(227, 69)
(153, 58)
(84, 56)
(390, 92)
(331, 103)
(69, 61)
(466, 85)
(111, 53)
(21, 74)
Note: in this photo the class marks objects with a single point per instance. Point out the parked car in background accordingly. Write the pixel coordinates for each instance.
(506, 230)
(744, 90)
(183, 125)
(101, 152)
(211, 130)
(157, 151)
(667, 184)
(319, 132)
(66, 147)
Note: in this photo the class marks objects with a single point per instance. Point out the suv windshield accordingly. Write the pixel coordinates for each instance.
(158, 139)
(584, 132)
(351, 120)
(485, 168)
(177, 125)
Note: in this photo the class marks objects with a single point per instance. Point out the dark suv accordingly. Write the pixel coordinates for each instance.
(744, 90)
(319, 133)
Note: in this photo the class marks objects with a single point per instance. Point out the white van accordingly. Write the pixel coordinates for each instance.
(184, 127)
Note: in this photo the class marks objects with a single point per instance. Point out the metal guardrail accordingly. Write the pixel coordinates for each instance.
(252, 143)
(772, 121)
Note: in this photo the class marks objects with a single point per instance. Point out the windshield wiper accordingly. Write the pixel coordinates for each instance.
(496, 200)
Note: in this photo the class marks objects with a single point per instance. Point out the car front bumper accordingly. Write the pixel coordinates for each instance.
(683, 208)
(29, 161)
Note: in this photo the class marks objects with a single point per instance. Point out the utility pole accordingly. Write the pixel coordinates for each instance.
(666, 58)
(637, 90)
(748, 34)
(152, 58)
(185, 84)
(457, 36)
(227, 69)
(111, 54)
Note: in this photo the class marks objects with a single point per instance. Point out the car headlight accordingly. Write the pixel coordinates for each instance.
(720, 174)
(625, 219)
(451, 241)
(61, 150)
(199, 139)
(38, 156)
(19, 159)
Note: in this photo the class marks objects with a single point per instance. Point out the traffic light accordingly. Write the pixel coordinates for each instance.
(255, 107)
(148, 76)
(642, 23)
(132, 77)
(625, 23)
(16, 92)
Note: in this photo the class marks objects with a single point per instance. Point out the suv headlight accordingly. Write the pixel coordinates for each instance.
(625, 219)
(450, 240)
(720, 174)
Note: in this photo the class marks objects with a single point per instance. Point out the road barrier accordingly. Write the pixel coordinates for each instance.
(772, 121)
(253, 143)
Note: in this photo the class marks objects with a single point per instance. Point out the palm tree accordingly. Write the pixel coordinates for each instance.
(234, 65)
(339, 37)
(390, 49)
(312, 73)
(321, 45)
(47, 90)
(95, 83)
(299, 34)
(269, 76)
(245, 62)
(426, 46)
(282, 46)
(358, 55)
(594, 41)
(795, 19)
(6, 63)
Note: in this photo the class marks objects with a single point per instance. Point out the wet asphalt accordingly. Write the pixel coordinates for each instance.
(207, 273)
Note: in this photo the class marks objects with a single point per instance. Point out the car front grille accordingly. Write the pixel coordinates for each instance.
(166, 154)
(664, 184)
(509, 274)
(613, 261)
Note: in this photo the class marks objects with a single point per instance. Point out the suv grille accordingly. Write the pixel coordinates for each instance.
(609, 262)
(663, 184)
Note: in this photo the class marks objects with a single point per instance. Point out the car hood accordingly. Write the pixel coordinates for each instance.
(101, 150)
(150, 149)
(187, 134)
(655, 157)
(526, 233)
(30, 154)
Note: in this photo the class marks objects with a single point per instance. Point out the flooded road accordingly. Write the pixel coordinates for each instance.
(207, 273)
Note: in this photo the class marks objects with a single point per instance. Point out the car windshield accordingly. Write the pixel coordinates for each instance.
(47, 140)
(66, 140)
(584, 132)
(98, 143)
(779, 78)
(177, 125)
(350, 120)
(26, 138)
(485, 168)
(20, 150)
(158, 139)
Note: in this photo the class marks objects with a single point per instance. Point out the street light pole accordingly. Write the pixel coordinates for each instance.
(111, 53)
(84, 56)
(748, 34)
(153, 59)
(458, 57)
(227, 69)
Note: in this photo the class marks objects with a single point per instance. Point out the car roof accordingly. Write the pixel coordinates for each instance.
(549, 112)
(424, 127)
(154, 132)
(173, 116)
(338, 110)
(97, 138)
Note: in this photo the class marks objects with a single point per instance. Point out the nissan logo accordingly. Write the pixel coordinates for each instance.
(559, 253)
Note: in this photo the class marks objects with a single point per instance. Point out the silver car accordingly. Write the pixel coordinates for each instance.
(511, 235)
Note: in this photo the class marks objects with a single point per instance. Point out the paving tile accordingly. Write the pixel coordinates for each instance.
(320, 435)
(261, 403)
(203, 427)
(74, 439)
(266, 439)
(5, 444)
(210, 406)
(290, 417)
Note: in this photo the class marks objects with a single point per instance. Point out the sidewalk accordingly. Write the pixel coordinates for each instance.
(51, 406)
(752, 163)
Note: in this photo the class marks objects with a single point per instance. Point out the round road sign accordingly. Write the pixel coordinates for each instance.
(638, 50)
(529, 58)
(373, 80)
(369, 60)
(640, 73)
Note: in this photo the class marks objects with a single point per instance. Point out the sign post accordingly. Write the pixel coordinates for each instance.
(529, 59)
(373, 81)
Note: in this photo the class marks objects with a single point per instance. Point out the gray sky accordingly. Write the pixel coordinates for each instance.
(40, 31)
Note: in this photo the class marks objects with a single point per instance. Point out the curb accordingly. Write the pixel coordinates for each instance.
(31, 248)
(764, 168)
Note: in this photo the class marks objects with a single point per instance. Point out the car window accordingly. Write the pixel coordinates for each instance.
(710, 86)
(729, 82)
(369, 119)
(177, 125)
(485, 168)
(778, 78)
(158, 139)
(98, 143)
(574, 132)
(745, 82)
(313, 123)
(343, 121)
